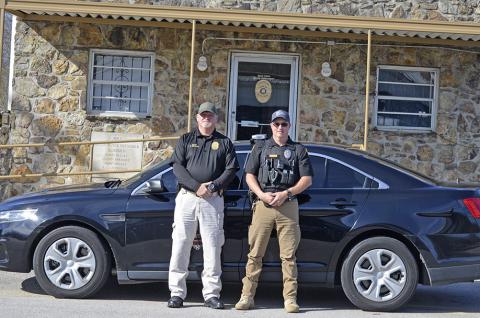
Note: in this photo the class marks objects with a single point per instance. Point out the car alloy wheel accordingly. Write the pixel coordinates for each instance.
(379, 274)
(69, 263)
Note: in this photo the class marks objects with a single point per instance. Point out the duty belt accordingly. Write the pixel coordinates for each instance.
(184, 190)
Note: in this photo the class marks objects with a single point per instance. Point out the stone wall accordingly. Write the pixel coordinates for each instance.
(49, 101)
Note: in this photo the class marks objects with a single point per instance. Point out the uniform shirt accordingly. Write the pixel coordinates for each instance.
(301, 157)
(198, 159)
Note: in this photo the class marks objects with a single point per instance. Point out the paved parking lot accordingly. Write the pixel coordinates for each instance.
(20, 296)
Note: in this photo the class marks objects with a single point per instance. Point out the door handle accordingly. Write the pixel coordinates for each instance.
(340, 203)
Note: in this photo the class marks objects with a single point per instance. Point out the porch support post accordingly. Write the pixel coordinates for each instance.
(367, 91)
(192, 68)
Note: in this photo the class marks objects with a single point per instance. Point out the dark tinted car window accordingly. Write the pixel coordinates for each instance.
(235, 185)
(169, 181)
(340, 176)
(318, 164)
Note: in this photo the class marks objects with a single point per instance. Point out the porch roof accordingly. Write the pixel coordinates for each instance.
(260, 21)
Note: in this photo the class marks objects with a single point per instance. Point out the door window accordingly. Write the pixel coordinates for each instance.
(260, 84)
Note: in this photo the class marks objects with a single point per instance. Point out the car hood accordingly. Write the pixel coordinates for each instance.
(98, 188)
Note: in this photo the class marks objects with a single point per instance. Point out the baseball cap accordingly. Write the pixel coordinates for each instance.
(207, 107)
(281, 114)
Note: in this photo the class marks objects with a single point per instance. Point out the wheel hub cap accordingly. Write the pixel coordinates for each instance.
(69, 263)
(379, 275)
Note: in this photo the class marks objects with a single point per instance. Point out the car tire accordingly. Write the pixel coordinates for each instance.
(379, 274)
(71, 262)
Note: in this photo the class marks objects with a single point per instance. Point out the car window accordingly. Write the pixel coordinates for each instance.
(318, 165)
(169, 181)
(235, 185)
(341, 176)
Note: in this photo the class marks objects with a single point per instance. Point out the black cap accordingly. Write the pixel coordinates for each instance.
(281, 114)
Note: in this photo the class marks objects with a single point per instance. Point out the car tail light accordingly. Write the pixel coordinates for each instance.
(473, 205)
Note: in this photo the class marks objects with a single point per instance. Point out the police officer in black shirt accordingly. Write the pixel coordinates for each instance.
(205, 163)
(277, 170)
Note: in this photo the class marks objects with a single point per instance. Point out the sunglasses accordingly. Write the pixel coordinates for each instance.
(280, 124)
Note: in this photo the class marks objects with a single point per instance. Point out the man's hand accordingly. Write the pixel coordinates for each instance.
(203, 192)
(279, 198)
(267, 197)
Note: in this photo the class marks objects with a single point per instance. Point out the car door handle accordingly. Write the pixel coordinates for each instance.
(230, 204)
(339, 203)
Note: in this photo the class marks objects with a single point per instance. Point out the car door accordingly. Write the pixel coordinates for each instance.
(148, 230)
(328, 209)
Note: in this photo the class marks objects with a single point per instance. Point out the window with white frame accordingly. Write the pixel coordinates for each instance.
(406, 98)
(120, 82)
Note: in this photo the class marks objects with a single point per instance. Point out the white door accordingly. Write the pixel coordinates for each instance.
(259, 85)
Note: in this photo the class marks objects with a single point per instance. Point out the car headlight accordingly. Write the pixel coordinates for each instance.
(18, 215)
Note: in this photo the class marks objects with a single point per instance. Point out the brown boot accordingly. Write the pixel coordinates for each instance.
(245, 303)
(291, 305)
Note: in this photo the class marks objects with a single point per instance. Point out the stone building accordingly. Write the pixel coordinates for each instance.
(83, 68)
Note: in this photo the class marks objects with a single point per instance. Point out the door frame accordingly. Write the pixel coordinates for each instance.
(266, 57)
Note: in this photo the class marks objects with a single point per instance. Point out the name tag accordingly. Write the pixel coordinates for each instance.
(273, 156)
(194, 146)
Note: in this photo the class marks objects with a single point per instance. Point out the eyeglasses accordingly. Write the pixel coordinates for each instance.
(280, 124)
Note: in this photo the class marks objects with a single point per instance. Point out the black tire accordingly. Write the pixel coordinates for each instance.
(101, 257)
(409, 278)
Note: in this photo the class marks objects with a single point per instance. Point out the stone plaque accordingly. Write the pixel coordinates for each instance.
(121, 156)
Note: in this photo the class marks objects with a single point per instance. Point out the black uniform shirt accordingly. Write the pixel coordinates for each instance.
(301, 156)
(198, 159)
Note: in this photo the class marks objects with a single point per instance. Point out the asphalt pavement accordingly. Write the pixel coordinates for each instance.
(21, 296)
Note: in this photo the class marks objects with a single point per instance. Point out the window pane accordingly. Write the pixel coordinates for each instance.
(318, 164)
(404, 106)
(235, 184)
(404, 120)
(406, 76)
(400, 90)
(169, 181)
(119, 94)
(340, 176)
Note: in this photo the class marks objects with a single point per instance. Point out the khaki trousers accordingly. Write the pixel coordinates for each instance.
(285, 221)
(191, 210)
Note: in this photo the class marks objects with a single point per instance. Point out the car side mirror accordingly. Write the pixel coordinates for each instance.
(154, 186)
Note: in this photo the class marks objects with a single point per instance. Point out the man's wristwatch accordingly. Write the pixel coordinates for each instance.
(212, 187)
(290, 195)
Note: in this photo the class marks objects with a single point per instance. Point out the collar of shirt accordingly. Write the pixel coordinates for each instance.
(271, 142)
(199, 135)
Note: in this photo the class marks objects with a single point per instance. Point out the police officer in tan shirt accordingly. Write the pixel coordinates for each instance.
(276, 172)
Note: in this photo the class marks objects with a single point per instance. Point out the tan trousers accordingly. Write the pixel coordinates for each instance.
(285, 220)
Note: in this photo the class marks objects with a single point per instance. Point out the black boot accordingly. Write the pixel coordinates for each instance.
(175, 302)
